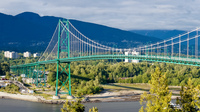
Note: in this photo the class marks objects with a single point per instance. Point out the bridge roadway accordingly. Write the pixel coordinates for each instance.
(167, 59)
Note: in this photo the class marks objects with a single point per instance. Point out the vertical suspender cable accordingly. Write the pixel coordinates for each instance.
(188, 46)
(179, 46)
(164, 48)
(151, 49)
(157, 49)
(172, 48)
(82, 46)
(92, 48)
(79, 45)
(96, 49)
(196, 44)
(87, 47)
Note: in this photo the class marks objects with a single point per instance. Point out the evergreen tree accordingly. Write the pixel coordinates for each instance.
(20, 79)
(51, 77)
(94, 109)
(76, 106)
(73, 106)
(8, 75)
(189, 100)
(159, 98)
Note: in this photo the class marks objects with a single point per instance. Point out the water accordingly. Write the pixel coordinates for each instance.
(115, 106)
(10, 105)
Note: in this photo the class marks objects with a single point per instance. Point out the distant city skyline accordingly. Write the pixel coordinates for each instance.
(122, 14)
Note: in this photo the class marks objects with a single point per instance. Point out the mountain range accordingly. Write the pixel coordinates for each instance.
(162, 34)
(29, 31)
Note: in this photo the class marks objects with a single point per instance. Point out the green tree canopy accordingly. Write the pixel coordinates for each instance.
(159, 98)
(189, 100)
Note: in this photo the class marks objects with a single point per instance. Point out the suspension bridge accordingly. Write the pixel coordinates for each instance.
(68, 45)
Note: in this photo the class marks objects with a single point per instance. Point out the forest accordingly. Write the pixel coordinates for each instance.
(90, 74)
(113, 71)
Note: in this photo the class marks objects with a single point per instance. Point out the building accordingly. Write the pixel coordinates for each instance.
(4, 83)
(2, 77)
(7, 54)
(27, 54)
(12, 54)
(132, 60)
(23, 75)
(36, 55)
(127, 60)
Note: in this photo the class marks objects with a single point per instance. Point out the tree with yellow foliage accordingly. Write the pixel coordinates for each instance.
(76, 106)
(158, 100)
(189, 98)
(94, 109)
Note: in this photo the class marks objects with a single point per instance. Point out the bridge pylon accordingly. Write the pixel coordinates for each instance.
(60, 68)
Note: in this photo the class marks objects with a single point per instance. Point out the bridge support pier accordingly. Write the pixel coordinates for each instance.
(68, 80)
(40, 75)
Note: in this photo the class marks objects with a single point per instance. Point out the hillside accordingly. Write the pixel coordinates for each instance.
(29, 31)
(162, 34)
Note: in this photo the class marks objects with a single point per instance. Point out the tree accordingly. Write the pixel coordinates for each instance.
(76, 106)
(159, 98)
(73, 106)
(8, 75)
(20, 79)
(4, 68)
(189, 100)
(94, 109)
(51, 77)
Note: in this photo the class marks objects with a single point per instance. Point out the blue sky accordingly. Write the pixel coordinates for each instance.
(123, 14)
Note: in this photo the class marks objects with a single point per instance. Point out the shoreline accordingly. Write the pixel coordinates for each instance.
(31, 98)
(121, 96)
(18, 97)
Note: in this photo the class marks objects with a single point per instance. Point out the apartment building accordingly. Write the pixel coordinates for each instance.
(12, 54)
(27, 54)
(36, 55)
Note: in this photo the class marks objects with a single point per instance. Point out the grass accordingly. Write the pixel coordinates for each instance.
(49, 96)
(135, 86)
(46, 96)
(123, 86)
(63, 97)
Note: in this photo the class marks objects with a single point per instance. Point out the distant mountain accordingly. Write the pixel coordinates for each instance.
(29, 31)
(162, 34)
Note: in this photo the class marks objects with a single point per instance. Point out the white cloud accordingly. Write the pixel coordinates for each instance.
(123, 14)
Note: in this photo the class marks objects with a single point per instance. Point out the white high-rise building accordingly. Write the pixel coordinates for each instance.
(36, 55)
(127, 60)
(132, 60)
(12, 54)
(27, 54)
(7, 54)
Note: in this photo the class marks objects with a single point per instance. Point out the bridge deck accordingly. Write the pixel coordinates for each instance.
(168, 59)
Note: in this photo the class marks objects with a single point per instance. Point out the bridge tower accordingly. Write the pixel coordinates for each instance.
(63, 47)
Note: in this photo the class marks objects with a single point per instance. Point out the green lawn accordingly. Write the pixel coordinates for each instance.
(136, 86)
(123, 86)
